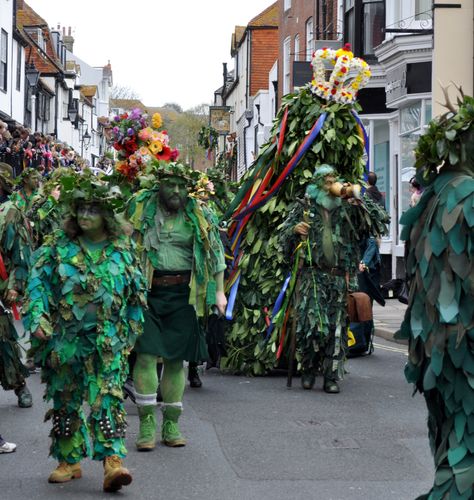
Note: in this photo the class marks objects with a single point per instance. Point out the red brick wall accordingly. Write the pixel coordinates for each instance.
(263, 56)
(293, 22)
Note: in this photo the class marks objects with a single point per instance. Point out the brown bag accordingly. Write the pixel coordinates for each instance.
(359, 307)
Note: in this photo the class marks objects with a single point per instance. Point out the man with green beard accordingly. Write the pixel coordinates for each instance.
(332, 221)
(184, 262)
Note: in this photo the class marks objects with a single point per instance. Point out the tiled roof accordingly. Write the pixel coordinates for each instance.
(268, 17)
(26, 16)
(46, 61)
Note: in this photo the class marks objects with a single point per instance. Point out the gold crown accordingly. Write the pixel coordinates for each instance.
(344, 62)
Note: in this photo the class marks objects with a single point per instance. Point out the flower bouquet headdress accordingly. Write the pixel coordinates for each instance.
(139, 142)
(349, 75)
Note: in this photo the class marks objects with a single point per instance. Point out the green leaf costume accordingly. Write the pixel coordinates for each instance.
(16, 244)
(263, 265)
(331, 256)
(88, 300)
(439, 321)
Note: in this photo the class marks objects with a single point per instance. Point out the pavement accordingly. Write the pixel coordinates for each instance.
(387, 319)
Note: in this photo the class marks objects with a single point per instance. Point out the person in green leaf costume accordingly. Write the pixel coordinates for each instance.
(84, 312)
(184, 261)
(45, 213)
(332, 221)
(16, 245)
(439, 320)
(29, 184)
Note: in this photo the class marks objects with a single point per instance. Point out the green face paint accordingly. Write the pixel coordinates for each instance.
(32, 182)
(173, 193)
(91, 220)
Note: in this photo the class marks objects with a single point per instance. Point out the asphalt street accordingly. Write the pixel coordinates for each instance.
(252, 438)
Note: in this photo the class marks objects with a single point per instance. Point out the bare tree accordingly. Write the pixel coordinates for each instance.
(122, 92)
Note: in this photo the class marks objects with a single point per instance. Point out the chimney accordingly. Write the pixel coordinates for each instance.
(224, 74)
(68, 39)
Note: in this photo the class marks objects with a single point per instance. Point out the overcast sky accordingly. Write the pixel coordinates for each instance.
(167, 51)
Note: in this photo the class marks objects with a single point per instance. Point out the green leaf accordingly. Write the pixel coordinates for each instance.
(450, 134)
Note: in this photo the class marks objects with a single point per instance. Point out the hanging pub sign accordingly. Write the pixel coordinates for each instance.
(219, 119)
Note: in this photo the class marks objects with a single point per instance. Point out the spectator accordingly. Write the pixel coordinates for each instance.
(6, 447)
(416, 191)
(373, 191)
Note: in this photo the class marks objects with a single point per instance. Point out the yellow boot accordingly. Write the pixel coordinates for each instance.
(65, 472)
(115, 476)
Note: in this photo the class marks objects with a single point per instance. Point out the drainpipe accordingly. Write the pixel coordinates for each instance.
(56, 105)
(316, 17)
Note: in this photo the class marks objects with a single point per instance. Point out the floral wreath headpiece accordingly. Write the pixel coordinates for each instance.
(344, 63)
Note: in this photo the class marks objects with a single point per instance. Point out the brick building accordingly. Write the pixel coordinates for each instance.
(254, 49)
(302, 24)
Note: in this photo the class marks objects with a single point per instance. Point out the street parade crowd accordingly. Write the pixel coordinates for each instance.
(117, 275)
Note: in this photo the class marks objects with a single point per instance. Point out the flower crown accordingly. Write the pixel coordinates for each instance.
(138, 143)
(344, 62)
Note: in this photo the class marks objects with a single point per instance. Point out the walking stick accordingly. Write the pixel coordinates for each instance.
(294, 319)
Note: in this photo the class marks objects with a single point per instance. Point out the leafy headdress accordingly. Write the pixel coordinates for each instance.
(78, 189)
(448, 142)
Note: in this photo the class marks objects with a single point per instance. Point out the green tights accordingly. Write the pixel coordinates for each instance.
(145, 378)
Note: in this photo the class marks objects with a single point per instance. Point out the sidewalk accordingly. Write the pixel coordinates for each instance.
(387, 319)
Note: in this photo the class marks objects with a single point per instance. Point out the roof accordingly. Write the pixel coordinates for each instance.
(127, 104)
(88, 90)
(45, 60)
(268, 17)
(237, 37)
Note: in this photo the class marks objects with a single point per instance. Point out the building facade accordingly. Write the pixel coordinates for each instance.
(254, 49)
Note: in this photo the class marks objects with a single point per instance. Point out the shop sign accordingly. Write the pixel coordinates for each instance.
(396, 85)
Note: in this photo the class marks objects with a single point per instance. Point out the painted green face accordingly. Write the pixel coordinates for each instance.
(90, 218)
(173, 193)
(33, 181)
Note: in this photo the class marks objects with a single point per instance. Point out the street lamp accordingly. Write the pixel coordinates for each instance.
(72, 113)
(32, 77)
(85, 140)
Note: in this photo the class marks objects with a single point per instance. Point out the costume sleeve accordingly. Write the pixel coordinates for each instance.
(36, 310)
(136, 297)
(287, 237)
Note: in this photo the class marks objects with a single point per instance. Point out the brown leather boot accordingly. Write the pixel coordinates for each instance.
(65, 472)
(115, 476)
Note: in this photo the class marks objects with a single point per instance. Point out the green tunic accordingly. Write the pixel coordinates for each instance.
(188, 242)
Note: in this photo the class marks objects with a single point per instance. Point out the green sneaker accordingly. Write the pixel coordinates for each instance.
(170, 433)
(146, 440)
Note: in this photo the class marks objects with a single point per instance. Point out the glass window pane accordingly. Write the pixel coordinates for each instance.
(349, 4)
(349, 28)
(410, 118)
(374, 23)
(428, 112)
(422, 9)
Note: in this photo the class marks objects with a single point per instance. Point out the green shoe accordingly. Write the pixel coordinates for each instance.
(146, 440)
(25, 400)
(170, 434)
(307, 380)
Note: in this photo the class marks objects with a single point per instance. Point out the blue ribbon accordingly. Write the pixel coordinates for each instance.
(366, 143)
(297, 158)
(232, 295)
(278, 304)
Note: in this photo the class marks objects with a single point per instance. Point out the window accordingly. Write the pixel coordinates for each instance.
(3, 60)
(364, 22)
(309, 39)
(18, 67)
(286, 65)
(422, 10)
(297, 48)
(287, 5)
(374, 23)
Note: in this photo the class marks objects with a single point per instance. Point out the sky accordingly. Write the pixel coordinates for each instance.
(165, 51)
